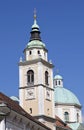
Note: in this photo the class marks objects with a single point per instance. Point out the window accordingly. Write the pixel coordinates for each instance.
(38, 52)
(59, 82)
(66, 116)
(48, 111)
(30, 52)
(30, 76)
(30, 110)
(56, 82)
(77, 117)
(46, 78)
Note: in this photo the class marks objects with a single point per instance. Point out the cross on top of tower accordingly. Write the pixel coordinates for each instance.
(57, 71)
(34, 13)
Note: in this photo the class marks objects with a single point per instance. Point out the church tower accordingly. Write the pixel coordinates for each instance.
(36, 91)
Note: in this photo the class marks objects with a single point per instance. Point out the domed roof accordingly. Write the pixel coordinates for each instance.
(65, 96)
(14, 98)
(36, 43)
(58, 77)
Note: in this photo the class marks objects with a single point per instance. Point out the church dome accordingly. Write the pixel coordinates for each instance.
(58, 77)
(15, 99)
(36, 43)
(64, 96)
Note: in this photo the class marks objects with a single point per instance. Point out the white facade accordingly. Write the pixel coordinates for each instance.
(36, 53)
(71, 109)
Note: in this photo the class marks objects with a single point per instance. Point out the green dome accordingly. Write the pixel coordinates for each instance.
(58, 77)
(65, 96)
(14, 98)
(36, 43)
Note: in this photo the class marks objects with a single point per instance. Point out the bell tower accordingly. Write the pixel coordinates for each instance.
(36, 91)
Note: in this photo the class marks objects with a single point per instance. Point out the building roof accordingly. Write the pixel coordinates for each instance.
(14, 98)
(15, 107)
(35, 44)
(58, 77)
(65, 96)
(77, 126)
(81, 126)
(60, 123)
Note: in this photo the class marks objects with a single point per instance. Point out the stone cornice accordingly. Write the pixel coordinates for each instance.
(35, 48)
(37, 85)
(68, 104)
(36, 61)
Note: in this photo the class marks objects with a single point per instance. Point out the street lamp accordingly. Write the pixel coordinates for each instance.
(4, 110)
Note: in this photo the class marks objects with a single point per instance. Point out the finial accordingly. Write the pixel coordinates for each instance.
(57, 71)
(20, 59)
(35, 25)
(50, 61)
(35, 14)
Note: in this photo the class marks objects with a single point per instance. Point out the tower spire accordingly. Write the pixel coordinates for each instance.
(35, 22)
(35, 33)
(35, 25)
(35, 14)
(57, 71)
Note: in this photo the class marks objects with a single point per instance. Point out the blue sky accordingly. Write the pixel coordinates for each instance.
(62, 30)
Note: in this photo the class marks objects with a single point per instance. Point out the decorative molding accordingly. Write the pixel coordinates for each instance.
(69, 104)
(46, 63)
(36, 85)
(30, 93)
(36, 48)
(48, 94)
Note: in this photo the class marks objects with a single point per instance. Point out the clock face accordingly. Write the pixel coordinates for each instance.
(48, 94)
(30, 93)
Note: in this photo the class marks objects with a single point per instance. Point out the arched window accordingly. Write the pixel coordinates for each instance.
(30, 52)
(66, 116)
(30, 76)
(46, 78)
(38, 52)
(77, 117)
(30, 110)
(56, 82)
(59, 82)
